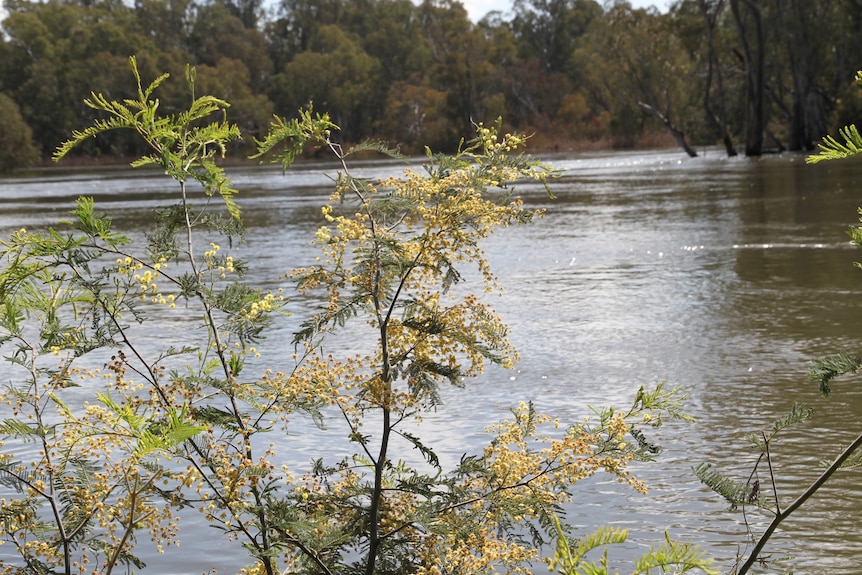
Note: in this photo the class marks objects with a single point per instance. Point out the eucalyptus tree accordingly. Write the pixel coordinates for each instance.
(416, 114)
(167, 22)
(337, 74)
(16, 139)
(635, 64)
(548, 29)
(391, 31)
(295, 24)
(808, 41)
(715, 97)
(461, 62)
(217, 33)
(58, 48)
(748, 16)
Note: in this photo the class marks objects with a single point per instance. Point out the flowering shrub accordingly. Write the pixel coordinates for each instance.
(183, 427)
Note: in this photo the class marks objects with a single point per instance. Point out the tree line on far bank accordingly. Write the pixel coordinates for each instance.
(755, 75)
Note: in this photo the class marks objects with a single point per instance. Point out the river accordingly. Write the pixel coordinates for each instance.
(723, 276)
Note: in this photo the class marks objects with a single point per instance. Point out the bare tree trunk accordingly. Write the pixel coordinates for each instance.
(675, 132)
(800, 26)
(754, 72)
(713, 68)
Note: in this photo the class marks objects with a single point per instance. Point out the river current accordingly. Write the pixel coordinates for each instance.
(725, 277)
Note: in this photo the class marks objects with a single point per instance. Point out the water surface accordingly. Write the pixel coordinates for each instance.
(722, 276)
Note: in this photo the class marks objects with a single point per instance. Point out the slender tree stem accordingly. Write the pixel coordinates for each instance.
(380, 463)
(779, 517)
(51, 495)
(771, 475)
(264, 544)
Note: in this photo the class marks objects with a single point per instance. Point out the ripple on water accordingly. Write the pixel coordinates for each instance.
(724, 277)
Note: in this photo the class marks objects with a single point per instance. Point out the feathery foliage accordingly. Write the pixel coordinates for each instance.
(185, 423)
(824, 370)
(184, 145)
(849, 146)
(570, 556)
(737, 494)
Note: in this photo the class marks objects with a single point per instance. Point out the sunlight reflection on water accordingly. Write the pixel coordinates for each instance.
(723, 276)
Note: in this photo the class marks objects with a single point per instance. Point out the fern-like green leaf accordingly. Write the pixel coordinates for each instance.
(668, 402)
(824, 370)
(23, 430)
(604, 535)
(183, 145)
(851, 462)
(122, 410)
(426, 452)
(674, 557)
(376, 146)
(833, 149)
(287, 138)
(216, 417)
(798, 413)
(569, 555)
(734, 492)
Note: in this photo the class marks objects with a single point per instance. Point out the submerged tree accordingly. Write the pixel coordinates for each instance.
(715, 97)
(749, 22)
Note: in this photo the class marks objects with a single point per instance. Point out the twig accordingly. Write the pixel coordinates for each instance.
(779, 517)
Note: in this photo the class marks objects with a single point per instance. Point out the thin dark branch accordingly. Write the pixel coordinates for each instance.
(779, 517)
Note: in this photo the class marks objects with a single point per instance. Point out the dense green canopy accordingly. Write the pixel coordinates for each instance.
(756, 74)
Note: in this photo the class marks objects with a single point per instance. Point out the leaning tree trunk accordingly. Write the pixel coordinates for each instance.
(675, 132)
